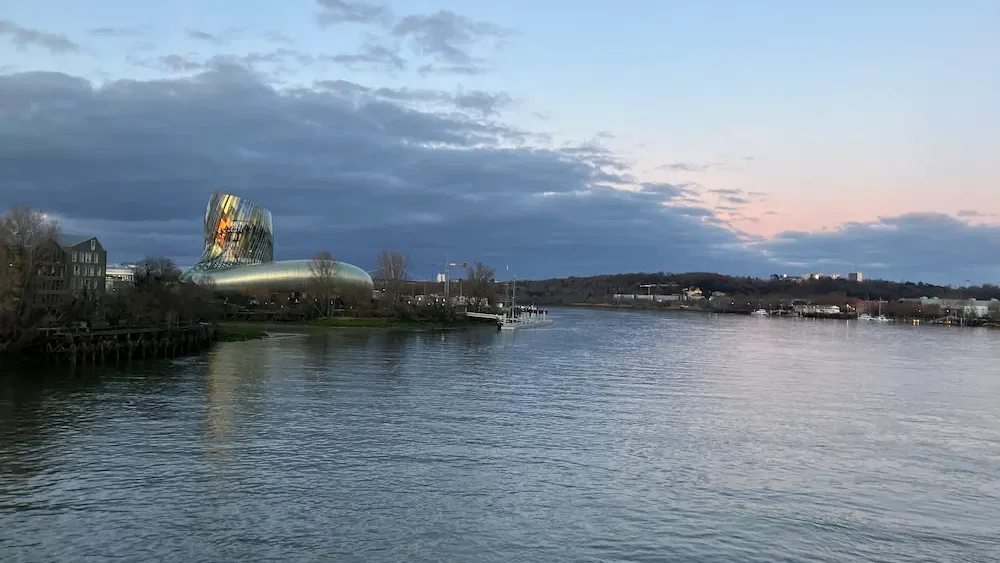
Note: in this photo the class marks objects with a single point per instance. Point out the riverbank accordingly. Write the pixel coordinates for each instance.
(643, 308)
(237, 333)
(250, 330)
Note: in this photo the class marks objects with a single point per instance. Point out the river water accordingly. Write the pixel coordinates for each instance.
(611, 436)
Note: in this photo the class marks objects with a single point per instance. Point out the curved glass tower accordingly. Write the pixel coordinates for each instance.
(238, 232)
(239, 253)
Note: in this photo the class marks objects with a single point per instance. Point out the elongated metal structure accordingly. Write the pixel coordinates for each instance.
(239, 253)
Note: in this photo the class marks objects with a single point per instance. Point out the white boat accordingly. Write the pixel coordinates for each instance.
(516, 318)
(865, 317)
(760, 313)
(526, 318)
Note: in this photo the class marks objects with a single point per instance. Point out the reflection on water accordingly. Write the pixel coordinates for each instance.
(611, 436)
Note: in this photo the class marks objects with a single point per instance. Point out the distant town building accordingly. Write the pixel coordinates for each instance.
(968, 307)
(693, 293)
(855, 277)
(117, 276)
(813, 309)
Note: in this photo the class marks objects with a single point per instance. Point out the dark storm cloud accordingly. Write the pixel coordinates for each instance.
(334, 12)
(924, 246)
(23, 37)
(344, 168)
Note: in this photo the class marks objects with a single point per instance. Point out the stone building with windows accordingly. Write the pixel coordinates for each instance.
(68, 265)
(85, 261)
(73, 265)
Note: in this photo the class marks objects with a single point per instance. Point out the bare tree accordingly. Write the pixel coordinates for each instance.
(392, 273)
(481, 285)
(156, 269)
(27, 236)
(324, 273)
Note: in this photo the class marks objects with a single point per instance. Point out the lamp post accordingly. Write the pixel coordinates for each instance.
(447, 282)
(961, 298)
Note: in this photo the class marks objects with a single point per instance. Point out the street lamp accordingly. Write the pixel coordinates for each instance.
(447, 282)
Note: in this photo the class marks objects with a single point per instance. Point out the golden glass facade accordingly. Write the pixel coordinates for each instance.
(239, 253)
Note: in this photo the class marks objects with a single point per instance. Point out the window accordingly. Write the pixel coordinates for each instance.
(74, 256)
(93, 244)
(86, 257)
(76, 269)
(99, 272)
(90, 271)
(97, 258)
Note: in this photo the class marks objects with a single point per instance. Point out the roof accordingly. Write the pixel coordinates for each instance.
(72, 240)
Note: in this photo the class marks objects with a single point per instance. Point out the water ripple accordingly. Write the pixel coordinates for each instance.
(611, 436)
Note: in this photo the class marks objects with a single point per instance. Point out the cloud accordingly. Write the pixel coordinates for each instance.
(176, 63)
(343, 167)
(736, 200)
(23, 38)
(333, 12)
(969, 213)
(354, 169)
(117, 32)
(470, 69)
(477, 102)
(918, 246)
(370, 56)
(169, 63)
(448, 38)
(276, 37)
(689, 167)
(726, 191)
(198, 35)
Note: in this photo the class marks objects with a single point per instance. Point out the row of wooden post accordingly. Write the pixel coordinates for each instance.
(97, 347)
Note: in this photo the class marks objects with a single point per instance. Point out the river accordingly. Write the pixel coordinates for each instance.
(611, 436)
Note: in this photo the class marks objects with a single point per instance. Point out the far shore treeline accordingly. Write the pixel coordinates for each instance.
(601, 288)
(36, 299)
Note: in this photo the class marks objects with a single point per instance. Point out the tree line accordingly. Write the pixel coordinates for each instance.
(601, 288)
(29, 245)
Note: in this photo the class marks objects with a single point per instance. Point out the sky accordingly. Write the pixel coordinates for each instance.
(562, 138)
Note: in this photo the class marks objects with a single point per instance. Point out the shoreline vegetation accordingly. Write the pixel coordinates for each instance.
(49, 312)
(53, 311)
(951, 321)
